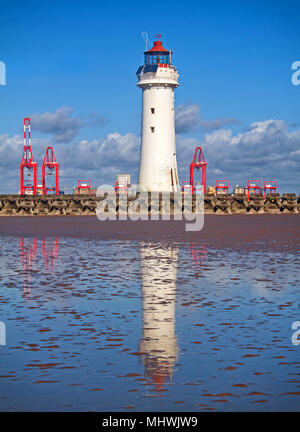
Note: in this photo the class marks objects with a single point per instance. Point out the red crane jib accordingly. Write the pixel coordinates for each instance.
(50, 163)
(198, 163)
(28, 163)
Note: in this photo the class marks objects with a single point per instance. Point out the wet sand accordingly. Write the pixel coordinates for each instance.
(127, 316)
(276, 232)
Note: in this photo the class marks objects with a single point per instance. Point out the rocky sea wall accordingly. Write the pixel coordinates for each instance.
(16, 205)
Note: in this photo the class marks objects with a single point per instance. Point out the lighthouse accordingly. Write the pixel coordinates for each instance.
(158, 78)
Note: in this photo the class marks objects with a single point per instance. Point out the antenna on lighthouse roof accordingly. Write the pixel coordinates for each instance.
(146, 39)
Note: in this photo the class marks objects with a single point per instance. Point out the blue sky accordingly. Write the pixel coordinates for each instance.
(77, 61)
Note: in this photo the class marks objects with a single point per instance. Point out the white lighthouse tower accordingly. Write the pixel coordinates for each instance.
(157, 79)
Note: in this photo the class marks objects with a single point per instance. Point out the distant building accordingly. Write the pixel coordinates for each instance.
(122, 183)
(239, 190)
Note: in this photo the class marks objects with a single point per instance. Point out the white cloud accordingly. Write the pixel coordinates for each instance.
(187, 119)
(115, 150)
(267, 151)
(62, 125)
(98, 160)
(11, 151)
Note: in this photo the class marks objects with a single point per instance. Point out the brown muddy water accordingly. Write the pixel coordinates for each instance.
(143, 316)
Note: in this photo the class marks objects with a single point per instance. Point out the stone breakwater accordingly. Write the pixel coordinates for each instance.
(16, 205)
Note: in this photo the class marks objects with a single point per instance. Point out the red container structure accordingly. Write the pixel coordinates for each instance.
(199, 164)
(254, 187)
(84, 185)
(222, 185)
(270, 187)
(29, 185)
(50, 167)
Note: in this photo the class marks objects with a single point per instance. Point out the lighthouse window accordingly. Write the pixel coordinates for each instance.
(157, 59)
(152, 129)
(152, 110)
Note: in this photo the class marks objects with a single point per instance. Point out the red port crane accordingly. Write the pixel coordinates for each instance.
(28, 186)
(198, 163)
(50, 165)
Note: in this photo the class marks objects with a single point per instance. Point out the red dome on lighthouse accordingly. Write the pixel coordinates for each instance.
(158, 46)
(158, 54)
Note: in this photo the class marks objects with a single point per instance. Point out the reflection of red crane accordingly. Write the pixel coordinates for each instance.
(50, 252)
(198, 163)
(198, 252)
(50, 165)
(28, 253)
(28, 186)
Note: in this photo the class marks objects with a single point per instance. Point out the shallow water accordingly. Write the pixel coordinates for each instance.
(116, 325)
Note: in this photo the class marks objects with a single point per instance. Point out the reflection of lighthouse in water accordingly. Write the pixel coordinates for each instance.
(159, 268)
